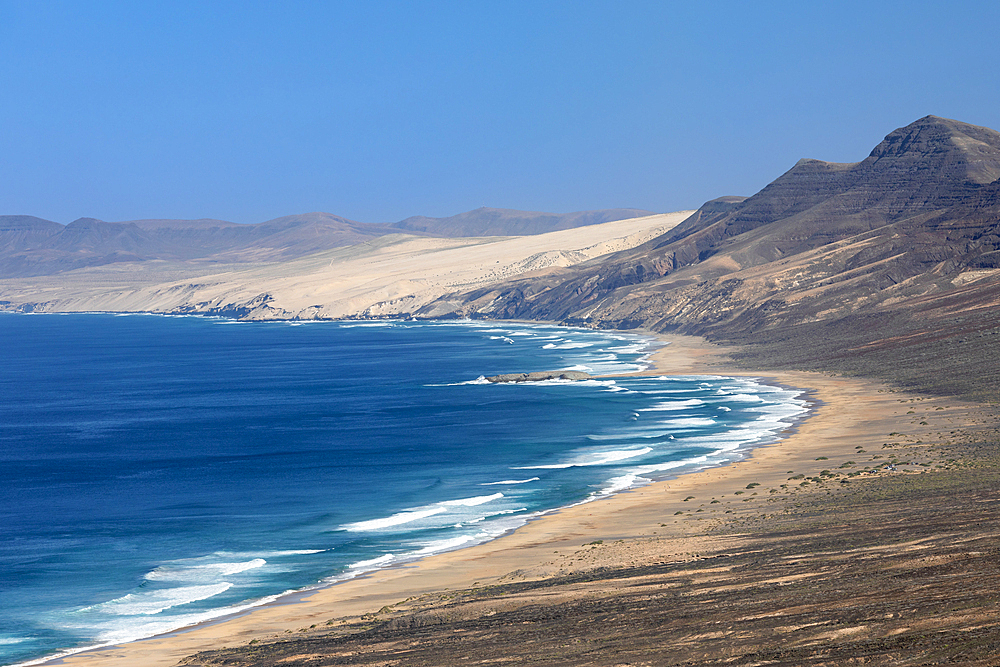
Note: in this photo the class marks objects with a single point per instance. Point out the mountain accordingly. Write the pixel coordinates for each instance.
(21, 232)
(506, 222)
(830, 265)
(31, 246)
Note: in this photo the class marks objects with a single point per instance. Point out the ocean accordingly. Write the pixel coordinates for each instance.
(157, 472)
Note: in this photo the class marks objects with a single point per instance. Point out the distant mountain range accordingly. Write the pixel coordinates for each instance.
(32, 246)
(887, 264)
(507, 222)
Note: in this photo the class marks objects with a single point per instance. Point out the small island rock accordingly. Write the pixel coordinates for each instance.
(538, 376)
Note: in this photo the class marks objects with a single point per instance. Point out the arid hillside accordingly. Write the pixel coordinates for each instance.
(887, 267)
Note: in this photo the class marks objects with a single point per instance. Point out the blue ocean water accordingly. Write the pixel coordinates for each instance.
(160, 471)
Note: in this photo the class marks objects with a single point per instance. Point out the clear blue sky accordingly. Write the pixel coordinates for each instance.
(372, 110)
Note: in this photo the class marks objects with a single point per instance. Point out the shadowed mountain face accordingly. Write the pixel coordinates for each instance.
(894, 247)
(31, 246)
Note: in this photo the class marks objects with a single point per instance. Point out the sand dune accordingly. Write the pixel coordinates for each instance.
(387, 276)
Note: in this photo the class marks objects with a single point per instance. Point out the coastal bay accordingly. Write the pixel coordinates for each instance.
(217, 465)
(673, 522)
(864, 532)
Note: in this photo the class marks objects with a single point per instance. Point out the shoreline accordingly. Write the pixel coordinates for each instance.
(533, 551)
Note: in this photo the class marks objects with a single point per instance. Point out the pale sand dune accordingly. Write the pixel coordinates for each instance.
(850, 413)
(388, 276)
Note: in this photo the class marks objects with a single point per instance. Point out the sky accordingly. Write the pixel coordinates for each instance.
(376, 111)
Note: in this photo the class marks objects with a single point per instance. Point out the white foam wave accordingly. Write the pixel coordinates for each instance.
(632, 434)
(674, 405)
(479, 380)
(490, 515)
(267, 554)
(357, 325)
(594, 459)
(443, 545)
(637, 348)
(616, 484)
(568, 345)
(418, 513)
(667, 391)
(198, 572)
(472, 502)
(154, 602)
(510, 481)
(397, 519)
(732, 439)
(742, 398)
(372, 563)
(7, 641)
(129, 629)
(134, 629)
(689, 421)
(672, 465)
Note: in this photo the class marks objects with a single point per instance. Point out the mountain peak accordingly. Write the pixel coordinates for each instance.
(86, 222)
(969, 152)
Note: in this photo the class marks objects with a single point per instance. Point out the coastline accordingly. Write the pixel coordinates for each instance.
(847, 413)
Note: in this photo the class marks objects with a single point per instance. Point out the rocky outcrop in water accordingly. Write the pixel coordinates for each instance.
(539, 376)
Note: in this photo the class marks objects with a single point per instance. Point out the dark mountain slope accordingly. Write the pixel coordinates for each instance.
(825, 250)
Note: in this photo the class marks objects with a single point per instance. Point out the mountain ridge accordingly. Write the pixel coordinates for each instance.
(917, 222)
(31, 246)
(486, 221)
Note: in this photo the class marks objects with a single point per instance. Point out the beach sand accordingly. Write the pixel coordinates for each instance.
(659, 522)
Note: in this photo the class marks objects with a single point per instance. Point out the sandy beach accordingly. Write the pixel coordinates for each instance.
(662, 522)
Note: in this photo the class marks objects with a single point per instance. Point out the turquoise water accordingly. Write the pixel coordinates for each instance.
(161, 471)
